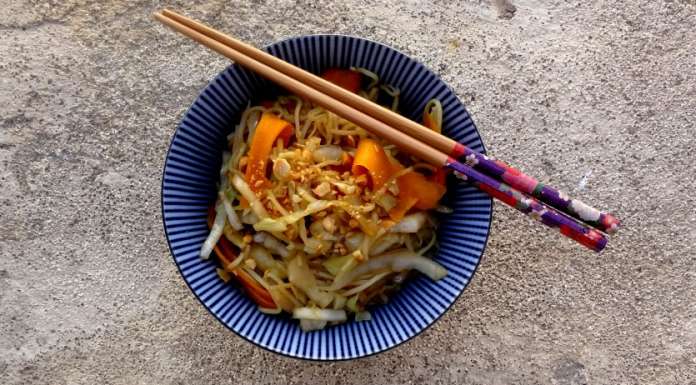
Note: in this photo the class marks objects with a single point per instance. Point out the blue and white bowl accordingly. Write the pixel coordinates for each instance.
(189, 187)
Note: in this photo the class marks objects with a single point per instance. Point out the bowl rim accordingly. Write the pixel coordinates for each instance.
(298, 357)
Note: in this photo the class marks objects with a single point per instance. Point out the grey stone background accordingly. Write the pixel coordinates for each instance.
(597, 91)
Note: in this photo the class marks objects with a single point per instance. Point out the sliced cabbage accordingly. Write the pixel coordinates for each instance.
(255, 275)
(427, 247)
(410, 223)
(306, 195)
(271, 243)
(335, 264)
(364, 248)
(274, 201)
(398, 260)
(233, 236)
(283, 298)
(270, 225)
(329, 315)
(314, 246)
(318, 231)
(215, 233)
(354, 240)
(236, 262)
(238, 145)
(281, 223)
(384, 243)
(301, 276)
(366, 284)
(232, 217)
(256, 206)
(386, 201)
(225, 164)
(265, 261)
(339, 301)
(249, 218)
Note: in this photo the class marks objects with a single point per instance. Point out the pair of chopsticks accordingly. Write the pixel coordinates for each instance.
(573, 218)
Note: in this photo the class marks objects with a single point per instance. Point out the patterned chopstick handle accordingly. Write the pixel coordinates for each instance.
(529, 185)
(568, 226)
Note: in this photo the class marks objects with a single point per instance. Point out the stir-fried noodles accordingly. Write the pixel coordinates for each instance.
(318, 218)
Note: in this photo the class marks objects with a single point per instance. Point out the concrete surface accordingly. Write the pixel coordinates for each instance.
(90, 94)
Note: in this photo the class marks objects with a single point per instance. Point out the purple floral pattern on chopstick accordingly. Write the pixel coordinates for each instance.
(529, 185)
(549, 216)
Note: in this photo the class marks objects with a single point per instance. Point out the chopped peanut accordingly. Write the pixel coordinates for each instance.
(322, 189)
(329, 224)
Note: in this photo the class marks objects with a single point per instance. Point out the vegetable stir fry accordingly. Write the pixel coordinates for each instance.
(318, 218)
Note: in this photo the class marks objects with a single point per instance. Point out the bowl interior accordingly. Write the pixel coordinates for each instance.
(189, 187)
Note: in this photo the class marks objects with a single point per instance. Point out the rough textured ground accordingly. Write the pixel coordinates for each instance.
(597, 91)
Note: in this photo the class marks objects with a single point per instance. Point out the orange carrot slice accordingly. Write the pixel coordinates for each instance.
(371, 159)
(226, 254)
(345, 78)
(268, 130)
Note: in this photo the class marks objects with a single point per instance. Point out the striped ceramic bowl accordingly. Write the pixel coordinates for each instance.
(189, 186)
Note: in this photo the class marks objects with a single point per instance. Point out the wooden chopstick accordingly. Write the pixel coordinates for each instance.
(409, 144)
(528, 205)
(499, 170)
